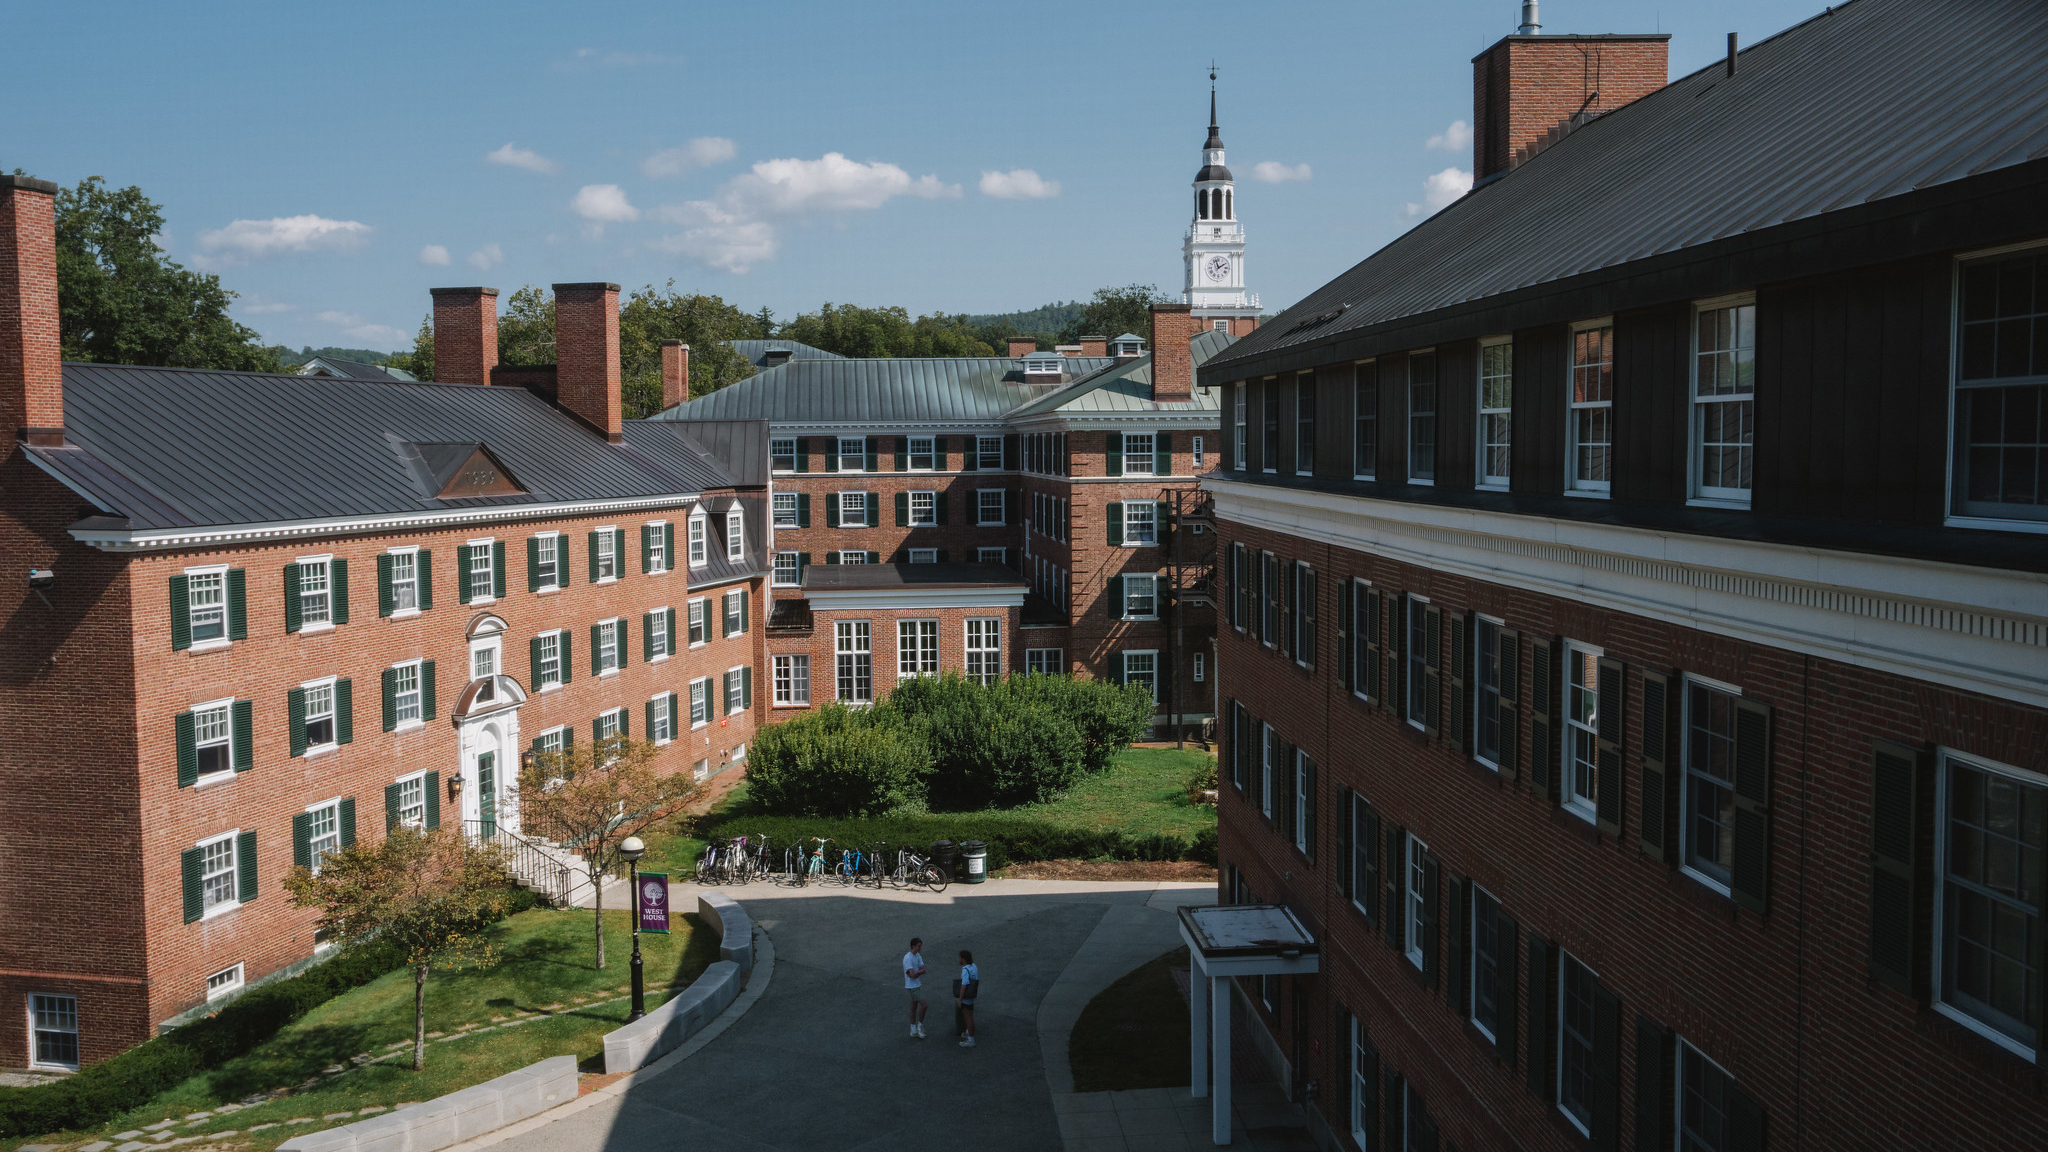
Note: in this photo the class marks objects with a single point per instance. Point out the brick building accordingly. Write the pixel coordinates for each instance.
(264, 615)
(1636, 649)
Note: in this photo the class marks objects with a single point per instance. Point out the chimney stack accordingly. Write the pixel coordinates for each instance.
(1173, 361)
(587, 355)
(31, 370)
(675, 373)
(465, 334)
(1530, 90)
(1022, 346)
(1094, 345)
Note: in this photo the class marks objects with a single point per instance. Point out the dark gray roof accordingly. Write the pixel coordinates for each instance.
(851, 577)
(757, 350)
(356, 369)
(1874, 99)
(935, 390)
(737, 448)
(171, 447)
(1127, 386)
(754, 562)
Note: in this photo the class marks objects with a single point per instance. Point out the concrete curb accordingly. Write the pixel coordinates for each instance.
(666, 1028)
(449, 1119)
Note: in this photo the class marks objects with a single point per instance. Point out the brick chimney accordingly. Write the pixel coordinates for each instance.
(1531, 90)
(1094, 346)
(1022, 346)
(465, 334)
(31, 372)
(1173, 361)
(675, 373)
(587, 355)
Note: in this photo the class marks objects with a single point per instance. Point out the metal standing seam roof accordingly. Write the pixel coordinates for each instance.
(916, 390)
(1873, 99)
(357, 370)
(171, 447)
(1126, 386)
(756, 351)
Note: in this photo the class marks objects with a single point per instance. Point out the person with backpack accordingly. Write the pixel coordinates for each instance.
(968, 987)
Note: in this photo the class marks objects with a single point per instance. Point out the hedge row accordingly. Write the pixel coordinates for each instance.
(105, 1090)
(1010, 839)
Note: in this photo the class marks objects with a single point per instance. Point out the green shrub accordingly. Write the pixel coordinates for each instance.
(990, 747)
(1109, 716)
(1201, 780)
(836, 761)
(1011, 839)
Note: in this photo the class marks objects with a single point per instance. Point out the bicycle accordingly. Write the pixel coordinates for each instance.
(918, 869)
(816, 865)
(852, 863)
(709, 863)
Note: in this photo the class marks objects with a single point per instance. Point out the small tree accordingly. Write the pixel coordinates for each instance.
(837, 761)
(591, 797)
(429, 893)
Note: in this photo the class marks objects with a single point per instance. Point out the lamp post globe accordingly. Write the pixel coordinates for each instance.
(632, 848)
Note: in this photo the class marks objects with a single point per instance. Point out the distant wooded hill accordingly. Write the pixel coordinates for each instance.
(359, 355)
(1044, 318)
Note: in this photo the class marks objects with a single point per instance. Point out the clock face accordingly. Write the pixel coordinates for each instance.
(1218, 267)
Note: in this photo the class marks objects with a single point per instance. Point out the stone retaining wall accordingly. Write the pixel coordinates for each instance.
(455, 1117)
(665, 1028)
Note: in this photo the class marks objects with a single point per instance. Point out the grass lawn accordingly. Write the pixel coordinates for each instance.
(1144, 791)
(1134, 1034)
(543, 998)
(675, 851)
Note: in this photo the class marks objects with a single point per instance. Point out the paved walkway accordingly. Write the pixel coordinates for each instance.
(824, 1060)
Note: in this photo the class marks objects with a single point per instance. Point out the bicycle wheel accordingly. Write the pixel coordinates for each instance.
(846, 872)
(934, 879)
(900, 878)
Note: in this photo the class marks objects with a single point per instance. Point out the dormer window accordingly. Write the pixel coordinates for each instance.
(1127, 345)
(699, 556)
(1043, 364)
(735, 536)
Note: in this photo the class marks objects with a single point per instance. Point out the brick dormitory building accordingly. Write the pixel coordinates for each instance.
(1635, 661)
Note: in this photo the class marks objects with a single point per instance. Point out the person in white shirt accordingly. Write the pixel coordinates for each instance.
(970, 987)
(913, 979)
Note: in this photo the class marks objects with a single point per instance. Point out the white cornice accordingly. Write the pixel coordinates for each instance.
(913, 598)
(217, 536)
(1979, 629)
(1204, 420)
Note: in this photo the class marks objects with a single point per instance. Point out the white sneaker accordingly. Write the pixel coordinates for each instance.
(913, 1033)
(967, 1043)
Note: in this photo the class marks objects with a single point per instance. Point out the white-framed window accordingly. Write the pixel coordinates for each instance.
(853, 556)
(323, 831)
(604, 553)
(657, 634)
(553, 741)
(1484, 945)
(700, 702)
(853, 651)
(1496, 412)
(784, 506)
(924, 509)
(735, 690)
(1589, 423)
(1418, 654)
(793, 679)
(922, 456)
(608, 646)
(1140, 523)
(225, 982)
(1487, 667)
(1364, 1123)
(853, 454)
(661, 727)
(206, 600)
(788, 571)
(917, 648)
(984, 649)
(656, 537)
(319, 721)
(412, 799)
(1138, 458)
(699, 553)
(992, 555)
(1143, 668)
(53, 1020)
(1422, 417)
(1724, 400)
(547, 560)
(700, 620)
(1999, 458)
(1992, 831)
(405, 695)
(1200, 457)
(1269, 437)
(988, 505)
(1045, 661)
(924, 555)
(316, 593)
(609, 722)
(219, 887)
(853, 510)
(1576, 1068)
(1365, 420)
(1201, 667)
(213, 736)
(1237, 429)
(1707, 805)
(482, 574)
(1705, 1096)
(1141, 596)
(782, 453)
(1415, 898)
(735, 611)
(735, 535)
(1305, 424)
(988, 453)
(405, 582)
(701, 770)
(1581, 756)
(1303, 773)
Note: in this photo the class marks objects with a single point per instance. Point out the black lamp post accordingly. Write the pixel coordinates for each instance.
(632, 849)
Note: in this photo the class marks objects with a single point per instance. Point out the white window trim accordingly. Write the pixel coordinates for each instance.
(1697, 494)
(1471, 962)
(1409, 604)
(661, 698)
(1152, 509)
(1408, 417)
(226, 989)
(775, 513)
(931, 452)
(981, 463)
(690, 695)
(618, 718)
(697, 539)
(495, 645)
(980, 518)
(1943, 755)
(1353, 1074)
(1411, 902)
(1240, 435)
(860, 552)
(1358, 473)
(1357, 641)
(839, 452)
(468, 576)
(227, 705)
(726, 615)
(28, 1003)
(1472, 662)
(668, 640)
(1127, 577)
(402, 781)
(735, 536)
(334, 717)
(700, 605)
(333, 802)
(1200, 457)
(916, 652)
(226, 623)
(1150, 455)
(773, 454)
(924, 555)
(225, 906)
(867, 515)
(1589, 811)
(1564, 958)
(1298, 780)
(775, 571)
(932, 510)
(618, 644)
(412, 550)
(1953, 519)
(1591, 489)
(326, 625)
(1480, 480)
(1154, 654)
(608, 534)
(774, 687)
(1685, 777)
(738, 705)
(667, 561)
(560, 552)
(560, 666)
(419, 721)
(556, 730)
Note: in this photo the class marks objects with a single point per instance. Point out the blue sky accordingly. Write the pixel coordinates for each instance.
(333, 162)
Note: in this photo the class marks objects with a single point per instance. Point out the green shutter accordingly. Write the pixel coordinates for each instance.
(1612, 711)
(650, 718)
(533, 563)
(1606, 1070)
(832, 557)
(803, 454)
(344, 711)
(181, 614)
(903, 509)
(803, 509)
(293, 617)
(872, 461)
(831, 454)
(433, 791)
(238, 604)
(874, 511)
(390, 699)
(746, 686)
(646, 548)
(568, 665)
(188, 749)
(668, 546)
(348, 821)
(190, 862)
(874, 557)
(1749, 863)
(561, 559)
(302, 840)
(939, 503)
(596, 729)
(1113, 454)
(743, 609)
(731, 689)
(970, 453)
(295, 709)
(533, 663)
(1895, 896)
(903, 453)
(498, 569)
(596, 648)
(245, 735)
(427, 701)
(592, 544)
(384, 584)
(462, 562)
(423, 571)
(1116, 597)
(646, 636)
(1113, 516)
(245, 867)
(390, 807)
(625, 724)
(1651, 1073)
(939, 453)
(676, 723)
(671, 631)
(831, 509)
(337, 590)
(1540, 1022)
(1162, 454)
(620, 642)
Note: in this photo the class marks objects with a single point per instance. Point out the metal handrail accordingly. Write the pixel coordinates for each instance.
(531, 864)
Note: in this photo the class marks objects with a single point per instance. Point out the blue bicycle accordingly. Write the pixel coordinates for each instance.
(857, 867)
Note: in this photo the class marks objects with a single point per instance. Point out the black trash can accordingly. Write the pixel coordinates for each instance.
(974, 858)
(943, 855)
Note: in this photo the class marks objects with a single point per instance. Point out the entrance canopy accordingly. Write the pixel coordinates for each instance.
(1226, 941)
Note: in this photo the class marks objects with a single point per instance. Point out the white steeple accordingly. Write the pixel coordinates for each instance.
(1213, 249)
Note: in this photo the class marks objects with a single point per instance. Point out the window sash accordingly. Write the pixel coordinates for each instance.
(1418, 662)
(54, 1020)
(853, 454)
(1575, 1054)
(1139, 526)
(1237, 430)
(217, 867)
(1138, 458)
(323, 828)
(1709, 797)
(988, 506)
(1141, 596)
(1590, 424)
(782, 453)
(700, 702)
(1415, 894)
(1496, 412)
(315, 603)
(1724, 410)
(793, 679)
(785, 509)
(607, 554)
(544, 559)
(319, 714)
(608, 646)
(984, 649)
(480, 571)
(1704, 1099)
(1143, 668)
(853, 648)
(406, 692)
(923, 458)
(206, 603)
(1581, 755)
(700, 621)
(1484, 998)
(988, 450)
(550, 664)
(657, 548)
(917, 647)
(732, 612)
(735, 536)
(1993, 831)
(924, 509)
(853, 509)
(412, 801)
(788, 570)
(1486, 661)
(1422, 416)
(404, 582)
(698, 556)
(1305, 423)
(853, 556)
(657, 632)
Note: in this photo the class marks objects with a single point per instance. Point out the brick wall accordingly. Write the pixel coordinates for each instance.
(587, 354)
(31, 384)
(465, 334)
(1782, 1000)
(819, 643)
(1523, 86)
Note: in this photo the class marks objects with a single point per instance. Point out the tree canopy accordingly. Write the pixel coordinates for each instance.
(860, 331)
(705, 322)
(1113, 312)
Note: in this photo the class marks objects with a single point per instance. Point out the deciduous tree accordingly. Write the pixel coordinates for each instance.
(705, 322)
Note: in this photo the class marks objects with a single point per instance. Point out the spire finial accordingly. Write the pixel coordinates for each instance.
(1215, 136)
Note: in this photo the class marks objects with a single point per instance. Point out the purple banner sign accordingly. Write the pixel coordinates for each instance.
(653, 896)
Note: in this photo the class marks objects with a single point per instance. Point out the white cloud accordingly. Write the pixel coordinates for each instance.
(435, 255)
(741, 226)
(487, 257)
(1441, 190)
(702, 152)
(1274, 172)
(256, 306)
(604, 204)
(255, 239)
(526, 158)
(1018, 184)
(1456, 138)
(356, 326)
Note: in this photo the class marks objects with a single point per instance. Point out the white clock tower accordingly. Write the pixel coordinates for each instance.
(1214, 247)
